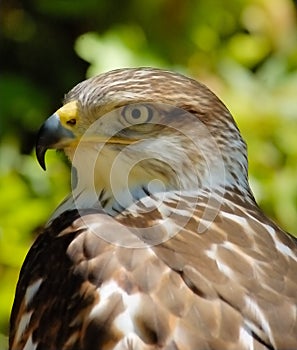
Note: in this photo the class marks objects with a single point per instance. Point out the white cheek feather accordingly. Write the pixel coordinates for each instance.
(159, 164)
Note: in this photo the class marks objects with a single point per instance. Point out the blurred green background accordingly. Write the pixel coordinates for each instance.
(244, 50)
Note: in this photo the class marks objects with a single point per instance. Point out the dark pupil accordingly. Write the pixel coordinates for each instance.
(136, 113)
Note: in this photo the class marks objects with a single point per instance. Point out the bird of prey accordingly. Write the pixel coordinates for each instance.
(160, 244)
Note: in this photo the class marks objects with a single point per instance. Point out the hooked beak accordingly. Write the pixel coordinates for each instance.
(55, 134)
(51, 135)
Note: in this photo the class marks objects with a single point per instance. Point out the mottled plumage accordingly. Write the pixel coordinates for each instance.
(161, 244)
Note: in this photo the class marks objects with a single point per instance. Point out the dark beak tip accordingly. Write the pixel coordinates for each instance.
(50, 135)
(40, 154)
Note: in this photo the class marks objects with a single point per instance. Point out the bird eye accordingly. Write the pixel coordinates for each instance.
(139, 114)
(71, 122)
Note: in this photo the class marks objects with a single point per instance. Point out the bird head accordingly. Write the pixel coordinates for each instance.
(131, 132)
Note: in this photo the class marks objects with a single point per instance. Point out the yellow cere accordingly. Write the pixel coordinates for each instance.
(68, 112)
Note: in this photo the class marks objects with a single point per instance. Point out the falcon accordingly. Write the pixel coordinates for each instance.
(160, 244)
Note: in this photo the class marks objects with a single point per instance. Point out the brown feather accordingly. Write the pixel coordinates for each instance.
(192, 269)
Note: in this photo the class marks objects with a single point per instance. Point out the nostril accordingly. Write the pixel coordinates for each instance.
(71, 121)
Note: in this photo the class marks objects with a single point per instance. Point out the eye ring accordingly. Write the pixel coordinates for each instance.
(137, 114)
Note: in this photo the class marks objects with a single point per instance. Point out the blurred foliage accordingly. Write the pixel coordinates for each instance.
(244, 50)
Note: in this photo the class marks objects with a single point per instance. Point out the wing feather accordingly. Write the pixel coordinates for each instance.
(232, 286)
